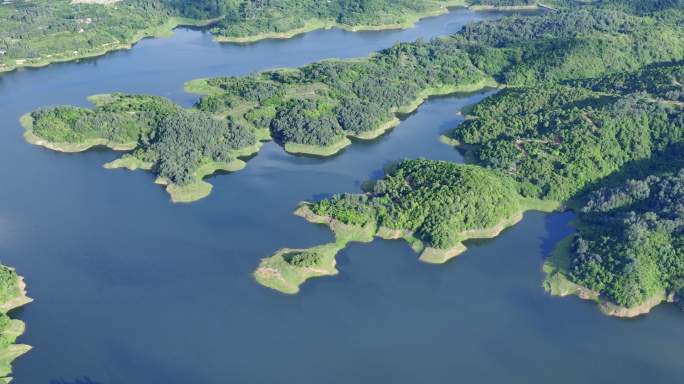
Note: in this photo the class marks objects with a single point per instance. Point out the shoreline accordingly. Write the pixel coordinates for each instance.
(163, 30)
(276, 273)
(318, 24)
(484, 8)
(26, 122)
(196, 190)
(423, 96)
(166, 28)
(315, 150)
(556, 283)
(14, 329)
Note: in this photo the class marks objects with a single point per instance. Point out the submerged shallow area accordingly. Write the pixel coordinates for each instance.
(131, 288)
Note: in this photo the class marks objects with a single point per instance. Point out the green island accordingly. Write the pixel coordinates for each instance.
(180, 146)
(12, 295)
(36, 33)
(433, 205)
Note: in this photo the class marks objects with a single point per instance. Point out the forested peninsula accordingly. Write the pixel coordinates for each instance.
(12, 295)
(318, 108)
(35, 33)
(432, 205)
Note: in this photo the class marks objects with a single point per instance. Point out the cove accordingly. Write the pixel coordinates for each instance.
(131, 288)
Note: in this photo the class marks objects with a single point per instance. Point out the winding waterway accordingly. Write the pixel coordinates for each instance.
(131, 289)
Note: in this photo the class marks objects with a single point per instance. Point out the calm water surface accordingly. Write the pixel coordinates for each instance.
(132, 289)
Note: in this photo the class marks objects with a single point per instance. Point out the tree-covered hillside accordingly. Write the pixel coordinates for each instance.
(38, 32)
(321, 103)
(630, 245)
(436, 201)
(557, 139)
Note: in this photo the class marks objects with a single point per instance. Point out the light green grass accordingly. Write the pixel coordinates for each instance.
(201, 87)
(277, 273)
(305, 149)
(27, 122)
(129, 162)
(199, 189)
(445, 90)
(381, 130)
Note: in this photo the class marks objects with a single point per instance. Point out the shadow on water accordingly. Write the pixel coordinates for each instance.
(84, 380)
(557, 227)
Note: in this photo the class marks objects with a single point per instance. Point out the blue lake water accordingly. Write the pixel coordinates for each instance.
(131, 288)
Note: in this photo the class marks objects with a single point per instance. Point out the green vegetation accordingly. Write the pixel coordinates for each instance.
(575, 44)
(180, 146)
(558, 139)
(12, 295)
(439, 203)
(629, 248)
(40, 32)
(319, 105)
(287, 269)
(270, 19)
(579, 111)
(434, 205)
(579, 141)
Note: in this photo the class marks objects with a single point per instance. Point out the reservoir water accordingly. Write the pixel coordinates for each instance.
(132, 289)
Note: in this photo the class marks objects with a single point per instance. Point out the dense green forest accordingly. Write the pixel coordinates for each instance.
(630, 245)
(174, 142)
(557, 139)
(574, 141)
(437, 201)
(38, 32)
(321, 103)
(254, 18)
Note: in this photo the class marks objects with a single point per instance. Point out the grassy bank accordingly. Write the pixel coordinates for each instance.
(12, 329)
(288, 269)
(315, 150)
(278, 273)
(27, 122)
